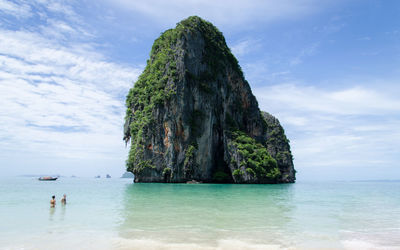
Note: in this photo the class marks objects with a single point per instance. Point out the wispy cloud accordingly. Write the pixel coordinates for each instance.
(245, 46)
(223, 12)
(353, 127)
(58, 97)
(61, 96)
(365, 38)
(306, 52)
(350, 101)
(19, 10)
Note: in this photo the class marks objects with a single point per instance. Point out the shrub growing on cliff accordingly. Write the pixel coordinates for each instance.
(237, 173)
(150, 90)
(189, 162)
(157, 82)
(256, 158)
(189, 154)
(193, 91)
(251, 172)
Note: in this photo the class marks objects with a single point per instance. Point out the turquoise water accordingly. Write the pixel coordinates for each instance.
(117, 214)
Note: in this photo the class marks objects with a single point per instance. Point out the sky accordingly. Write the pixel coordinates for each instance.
(328, 70)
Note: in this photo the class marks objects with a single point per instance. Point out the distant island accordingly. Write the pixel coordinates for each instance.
(128, 175)
(191, 115)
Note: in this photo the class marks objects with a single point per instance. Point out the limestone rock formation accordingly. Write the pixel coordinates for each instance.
(191, 115)
(128, 175)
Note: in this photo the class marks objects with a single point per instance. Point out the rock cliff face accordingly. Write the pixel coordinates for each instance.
(192, 115)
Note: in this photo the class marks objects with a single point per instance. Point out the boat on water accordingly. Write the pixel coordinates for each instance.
(48, 178)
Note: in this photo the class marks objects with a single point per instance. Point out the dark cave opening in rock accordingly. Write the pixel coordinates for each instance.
(221, 171)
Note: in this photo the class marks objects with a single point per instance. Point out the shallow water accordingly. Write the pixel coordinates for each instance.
(117, 214)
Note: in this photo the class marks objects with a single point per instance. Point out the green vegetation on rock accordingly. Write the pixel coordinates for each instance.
(184, 106)
(189, 154)
(151, 89)
(256, 159)
(156, 85)
(142, 165)
(189, 163)
(237, 173)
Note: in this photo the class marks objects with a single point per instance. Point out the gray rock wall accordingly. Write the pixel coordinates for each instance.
(210, 129)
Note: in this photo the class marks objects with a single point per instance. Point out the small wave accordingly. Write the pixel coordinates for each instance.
(360, 244)
(226, 244)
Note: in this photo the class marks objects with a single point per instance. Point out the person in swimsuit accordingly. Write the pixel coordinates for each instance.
(64, 199)
(53, 201)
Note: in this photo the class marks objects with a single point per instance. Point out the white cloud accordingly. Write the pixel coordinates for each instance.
(244, 47)
(351, 101)
(20, 10)
(223, 12)
(60, 98)
(49, 87)
(348, 129)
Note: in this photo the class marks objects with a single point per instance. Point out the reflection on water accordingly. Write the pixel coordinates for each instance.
(308, 215)
(206, 213)
(51, 213)
(116, 214)
(62, 213)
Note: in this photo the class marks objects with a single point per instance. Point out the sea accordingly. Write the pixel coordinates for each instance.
(119, 214)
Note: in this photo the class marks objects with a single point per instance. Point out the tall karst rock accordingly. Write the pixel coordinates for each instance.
(192, 115)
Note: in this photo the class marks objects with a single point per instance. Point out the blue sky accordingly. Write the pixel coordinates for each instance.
(328, 70)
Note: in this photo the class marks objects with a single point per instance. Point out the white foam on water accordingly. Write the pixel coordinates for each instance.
(225, 244)
(61, 241)
(91, 240)
(238, 245)
(356, 244)
(125, 244)
(105, 241)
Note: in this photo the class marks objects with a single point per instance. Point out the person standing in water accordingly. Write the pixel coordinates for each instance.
(64, 199)
(53, 201)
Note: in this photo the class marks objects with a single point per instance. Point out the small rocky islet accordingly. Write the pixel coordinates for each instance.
(191, 115)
